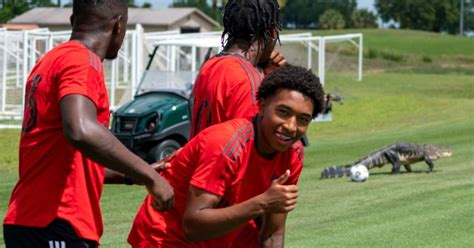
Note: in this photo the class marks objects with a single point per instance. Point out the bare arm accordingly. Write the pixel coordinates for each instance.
(114, 177)
(96, 142)
(272, 233)
(203, 221)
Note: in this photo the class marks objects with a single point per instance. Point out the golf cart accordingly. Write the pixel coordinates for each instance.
(157, 121)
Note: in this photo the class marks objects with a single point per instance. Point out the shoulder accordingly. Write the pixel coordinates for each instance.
(234, 64)
(74, 53)
(226, 130)
(228, 136)
(70, 49)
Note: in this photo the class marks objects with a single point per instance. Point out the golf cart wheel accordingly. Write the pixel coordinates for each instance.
(163, 149)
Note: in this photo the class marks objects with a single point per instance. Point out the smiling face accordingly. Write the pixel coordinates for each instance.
(284, 119)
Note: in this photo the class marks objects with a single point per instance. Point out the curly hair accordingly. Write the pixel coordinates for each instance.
(295, 78)
(250, 20)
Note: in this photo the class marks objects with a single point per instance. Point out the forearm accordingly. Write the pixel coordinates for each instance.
(100, 145)
(211, 223)
(275, 240)
(272, 233)
(114, 177)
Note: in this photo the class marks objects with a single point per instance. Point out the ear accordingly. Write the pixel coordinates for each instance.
(71, 20)
(119, 24)
(261, 107)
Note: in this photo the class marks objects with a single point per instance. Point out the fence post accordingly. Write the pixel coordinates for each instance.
(321, 62)
(361, 54)
(4, 71)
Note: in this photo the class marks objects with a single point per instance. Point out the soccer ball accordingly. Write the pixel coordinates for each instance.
(359, 173)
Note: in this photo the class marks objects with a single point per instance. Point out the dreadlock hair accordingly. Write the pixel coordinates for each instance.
(250, 20)
(99, 7)
(295, 78)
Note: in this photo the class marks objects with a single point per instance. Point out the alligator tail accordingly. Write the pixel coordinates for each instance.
(336, 171)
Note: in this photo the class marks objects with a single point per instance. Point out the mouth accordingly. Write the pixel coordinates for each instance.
(284, 138)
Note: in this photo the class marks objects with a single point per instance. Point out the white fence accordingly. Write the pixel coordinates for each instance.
(21, 50)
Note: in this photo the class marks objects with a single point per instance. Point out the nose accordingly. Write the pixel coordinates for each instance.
(290, 125)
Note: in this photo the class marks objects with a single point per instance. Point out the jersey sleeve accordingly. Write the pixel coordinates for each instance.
(214, 171)
(76, 75)
(296, 164)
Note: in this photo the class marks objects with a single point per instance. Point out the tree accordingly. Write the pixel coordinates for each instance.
(306, 13)
(469, 16)
(435, 15)
(331, 19)
(131, 4)
(363, 18)
(200, 4)
(11, 9)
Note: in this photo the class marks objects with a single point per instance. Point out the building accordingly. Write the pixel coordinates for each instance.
(185, 19)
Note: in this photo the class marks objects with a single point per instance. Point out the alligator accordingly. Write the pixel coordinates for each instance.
(329, 98)
(396, 154)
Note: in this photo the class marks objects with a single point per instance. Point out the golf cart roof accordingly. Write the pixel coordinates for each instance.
(178, 82)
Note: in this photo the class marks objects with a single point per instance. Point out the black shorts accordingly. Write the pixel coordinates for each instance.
(58, 234)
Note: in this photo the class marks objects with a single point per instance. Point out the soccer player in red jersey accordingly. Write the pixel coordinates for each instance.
(65, 139)
(227, 83)
(236, 171)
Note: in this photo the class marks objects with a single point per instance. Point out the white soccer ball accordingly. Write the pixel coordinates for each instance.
(359, 173)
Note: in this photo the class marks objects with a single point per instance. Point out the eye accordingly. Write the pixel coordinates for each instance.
(304, 120)
(283, 112)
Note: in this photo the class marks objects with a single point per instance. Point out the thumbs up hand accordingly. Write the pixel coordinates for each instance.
(280, 198)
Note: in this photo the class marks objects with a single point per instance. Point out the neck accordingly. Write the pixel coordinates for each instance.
(261, 145)
(97, 43)
(252, 54)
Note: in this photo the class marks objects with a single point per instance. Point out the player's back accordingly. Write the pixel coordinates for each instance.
(225, 88)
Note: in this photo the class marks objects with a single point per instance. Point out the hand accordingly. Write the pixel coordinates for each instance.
(280, 198)
(276, 60)
(165, 162)
(160, 165)
(162, 194)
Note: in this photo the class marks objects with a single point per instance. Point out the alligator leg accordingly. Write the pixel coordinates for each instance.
(393, 158)
(407, 167)
(430, 164)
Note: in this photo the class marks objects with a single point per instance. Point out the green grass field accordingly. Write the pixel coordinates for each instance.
(407, 210)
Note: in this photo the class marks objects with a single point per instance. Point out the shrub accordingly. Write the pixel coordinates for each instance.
(427, 59)
(372, 53)
(363, 18)
(392, 56)
(331, 19)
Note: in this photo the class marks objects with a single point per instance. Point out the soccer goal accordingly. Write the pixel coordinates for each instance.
(21, 50)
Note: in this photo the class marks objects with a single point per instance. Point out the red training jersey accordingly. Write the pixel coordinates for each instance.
(226, 88)
(55, 179)
(222, 160)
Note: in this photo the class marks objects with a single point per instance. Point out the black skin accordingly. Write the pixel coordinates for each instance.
(259, 54)
(103, 34)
